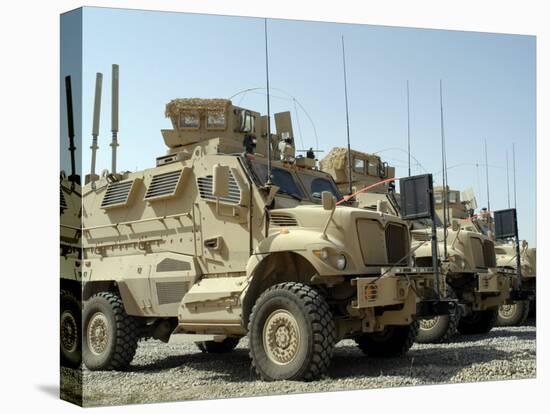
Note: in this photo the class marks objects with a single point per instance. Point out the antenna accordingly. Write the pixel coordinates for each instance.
(114, 116)
(408, 129)
(268, 182)
(508, 178)
(444, 162)
(514, 171)
(74, 178)
(487, 179)
(350, 189)
(95, 124)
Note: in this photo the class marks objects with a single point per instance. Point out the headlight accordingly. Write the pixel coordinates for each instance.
(341, 262)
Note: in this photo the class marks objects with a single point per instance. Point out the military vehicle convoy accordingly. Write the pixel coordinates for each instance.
(218, 239)
(468, 257)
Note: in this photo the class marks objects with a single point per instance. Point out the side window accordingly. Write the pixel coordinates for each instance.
(373, 169)
(359, 165)
(452, 197)
(438, 198)
(189, 120)
(215, 120)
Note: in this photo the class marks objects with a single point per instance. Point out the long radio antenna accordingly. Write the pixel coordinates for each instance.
(114, 116)
(487, 179)
(350, 178)
(514, 171)
(268, 182)
(408, 129)
(444, 162)
(74, 178)
(508, 178)
(95, 124)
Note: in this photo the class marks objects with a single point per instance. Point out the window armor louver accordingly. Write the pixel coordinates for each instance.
(117, 194)
(205, 190)
(62, 202)
(163, 185)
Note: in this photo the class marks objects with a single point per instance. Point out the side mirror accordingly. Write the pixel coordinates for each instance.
(329, 202)
(455, 225)
(220, 181)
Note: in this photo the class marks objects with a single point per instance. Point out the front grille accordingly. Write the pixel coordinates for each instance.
(278, 219)
(396, 244)
(489, 253)
(421, 236)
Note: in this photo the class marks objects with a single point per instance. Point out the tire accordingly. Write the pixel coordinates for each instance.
(110, 335)
(513, 315)
(213, 347)
(70, 338)
(441, 328)
(479, 322)
(391, 342)
(291, 333)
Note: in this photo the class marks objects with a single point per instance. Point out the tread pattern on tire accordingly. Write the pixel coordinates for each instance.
(65, 361)
(451, 328)
(525, 310)
(324, 329)
(127, 333)
(377, 350)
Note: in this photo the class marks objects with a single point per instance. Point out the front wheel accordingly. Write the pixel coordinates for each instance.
(110, 335)
(391, 342)
(440, 328)
(514, 314)
(292, 333)
(479, 322)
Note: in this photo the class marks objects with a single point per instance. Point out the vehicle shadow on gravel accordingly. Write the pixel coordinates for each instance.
(496, 333)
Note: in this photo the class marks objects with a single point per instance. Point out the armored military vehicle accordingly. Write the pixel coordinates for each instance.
(70, 203)
(218, 239)
(516, 311)
(468, 257)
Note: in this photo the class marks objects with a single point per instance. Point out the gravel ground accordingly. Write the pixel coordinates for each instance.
(162, 372)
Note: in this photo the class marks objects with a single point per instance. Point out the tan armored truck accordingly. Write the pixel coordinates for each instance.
(207, 242)
(515, 312)
(467, 258)
(70, 255)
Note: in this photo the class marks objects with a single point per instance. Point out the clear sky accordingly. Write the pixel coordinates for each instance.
(488, 90)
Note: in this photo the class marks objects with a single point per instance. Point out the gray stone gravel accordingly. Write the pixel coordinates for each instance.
(162, 372)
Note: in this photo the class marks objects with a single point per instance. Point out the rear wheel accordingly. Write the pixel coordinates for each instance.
(479, 322)
(213, 347)
(292, 333)
(392, 341)
(70, 330)
(110, 335)
(514, 314)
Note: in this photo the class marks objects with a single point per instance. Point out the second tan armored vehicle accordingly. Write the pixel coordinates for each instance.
(208, 242)
(469, 264)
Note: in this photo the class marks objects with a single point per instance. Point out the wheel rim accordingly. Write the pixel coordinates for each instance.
(98, 333)
(69, 332)
(427, 324)
(281, 337)
(507, 311)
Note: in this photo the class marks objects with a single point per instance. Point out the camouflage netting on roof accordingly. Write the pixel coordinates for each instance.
(338, 154)
(175, 106)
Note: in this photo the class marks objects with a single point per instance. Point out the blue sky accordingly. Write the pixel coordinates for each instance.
(488, 81)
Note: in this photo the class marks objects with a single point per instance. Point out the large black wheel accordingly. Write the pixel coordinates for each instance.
(291, 332)
(70, 330)
(213, 347)
(391, 342)
(479, 322)
(514, 314)
(110, 335)
(441, 328)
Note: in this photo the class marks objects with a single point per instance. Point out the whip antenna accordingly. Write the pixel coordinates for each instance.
(514, 171)
(268, 182)
(95, 124)
(114, 116)
(350, 189)
(408, 129)
(508, 177)
(444, 162)
(487, 180)
(70, 124)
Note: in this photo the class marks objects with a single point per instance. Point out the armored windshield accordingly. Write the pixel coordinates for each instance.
(315, 185)
(280, 177)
